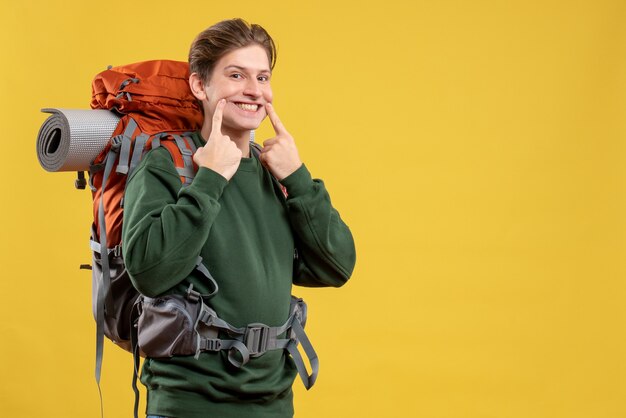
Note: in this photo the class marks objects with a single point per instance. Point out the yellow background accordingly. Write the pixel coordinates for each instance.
(476, 149)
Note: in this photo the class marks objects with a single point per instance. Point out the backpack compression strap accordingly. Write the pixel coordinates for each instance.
(104, 295)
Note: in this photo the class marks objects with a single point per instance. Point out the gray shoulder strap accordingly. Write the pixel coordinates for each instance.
(187, 171)
(140, 143)
(122, 166)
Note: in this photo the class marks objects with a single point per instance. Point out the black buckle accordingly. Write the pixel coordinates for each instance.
(117, 251)
(80, 182)
(256, 339)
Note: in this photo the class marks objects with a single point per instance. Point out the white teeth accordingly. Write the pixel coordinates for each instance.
(246, 106)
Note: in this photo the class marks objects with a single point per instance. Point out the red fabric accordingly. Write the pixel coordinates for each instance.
(162, 96)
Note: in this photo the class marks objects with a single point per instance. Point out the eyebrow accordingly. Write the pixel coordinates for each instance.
(246, 69)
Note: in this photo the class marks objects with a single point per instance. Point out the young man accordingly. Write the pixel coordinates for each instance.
(232, 216)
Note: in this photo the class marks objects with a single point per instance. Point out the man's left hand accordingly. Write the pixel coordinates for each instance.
(279, 154)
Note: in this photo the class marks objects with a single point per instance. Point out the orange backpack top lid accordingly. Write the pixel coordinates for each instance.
(156, 105)
(158, 90)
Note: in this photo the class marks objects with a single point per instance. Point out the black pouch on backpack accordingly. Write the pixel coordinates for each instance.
(167, 326)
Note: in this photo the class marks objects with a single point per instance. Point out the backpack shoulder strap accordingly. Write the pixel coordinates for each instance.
(181, 148)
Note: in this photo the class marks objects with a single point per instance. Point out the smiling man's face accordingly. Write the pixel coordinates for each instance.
(242, 78)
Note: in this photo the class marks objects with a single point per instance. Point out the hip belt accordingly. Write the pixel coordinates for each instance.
(184, 325)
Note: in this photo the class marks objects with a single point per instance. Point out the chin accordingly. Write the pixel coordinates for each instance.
(244, 125)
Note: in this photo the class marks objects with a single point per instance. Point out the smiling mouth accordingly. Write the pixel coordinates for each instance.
(248, 107)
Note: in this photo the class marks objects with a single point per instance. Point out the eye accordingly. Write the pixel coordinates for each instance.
(263, 78)
(236, 76)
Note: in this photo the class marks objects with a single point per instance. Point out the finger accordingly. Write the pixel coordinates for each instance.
(269, 142)
(217, 117)
(276, 123)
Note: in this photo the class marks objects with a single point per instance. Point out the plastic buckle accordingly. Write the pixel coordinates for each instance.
(80, 182)
(205, 318)
(116, 142)
(256, 339)
(211, 345)
(192, 295)
(127, 82)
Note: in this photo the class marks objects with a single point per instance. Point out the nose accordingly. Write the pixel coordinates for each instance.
(252, 88)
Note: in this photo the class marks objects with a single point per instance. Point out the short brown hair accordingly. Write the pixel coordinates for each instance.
(218, 40)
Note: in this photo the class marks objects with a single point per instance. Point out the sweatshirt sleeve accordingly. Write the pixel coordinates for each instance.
(166, 225)
(326, 251)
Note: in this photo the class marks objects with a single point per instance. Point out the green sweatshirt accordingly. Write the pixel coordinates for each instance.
(246, 234)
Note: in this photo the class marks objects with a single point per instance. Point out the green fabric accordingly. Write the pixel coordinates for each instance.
(246, 235)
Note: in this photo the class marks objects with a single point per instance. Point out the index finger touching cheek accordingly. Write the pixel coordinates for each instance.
(276, 123)
(217, 116)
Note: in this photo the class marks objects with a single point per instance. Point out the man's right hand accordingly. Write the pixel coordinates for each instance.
(220, 154)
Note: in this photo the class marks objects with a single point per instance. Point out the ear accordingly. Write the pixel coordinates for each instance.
(197, 86)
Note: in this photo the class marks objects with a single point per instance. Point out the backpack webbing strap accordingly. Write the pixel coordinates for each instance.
(256, 339)
(255, 149)
(187, 174)
(192, 144)
(96, 247)
(127, 138)
(134, 383)
(187, 171)
(134, 344)
(205, 272)
(105, 285)
(140, 143)
(292, 348)
(156, 142)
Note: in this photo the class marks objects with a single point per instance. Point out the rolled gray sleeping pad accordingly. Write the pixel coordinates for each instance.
(70, 139)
